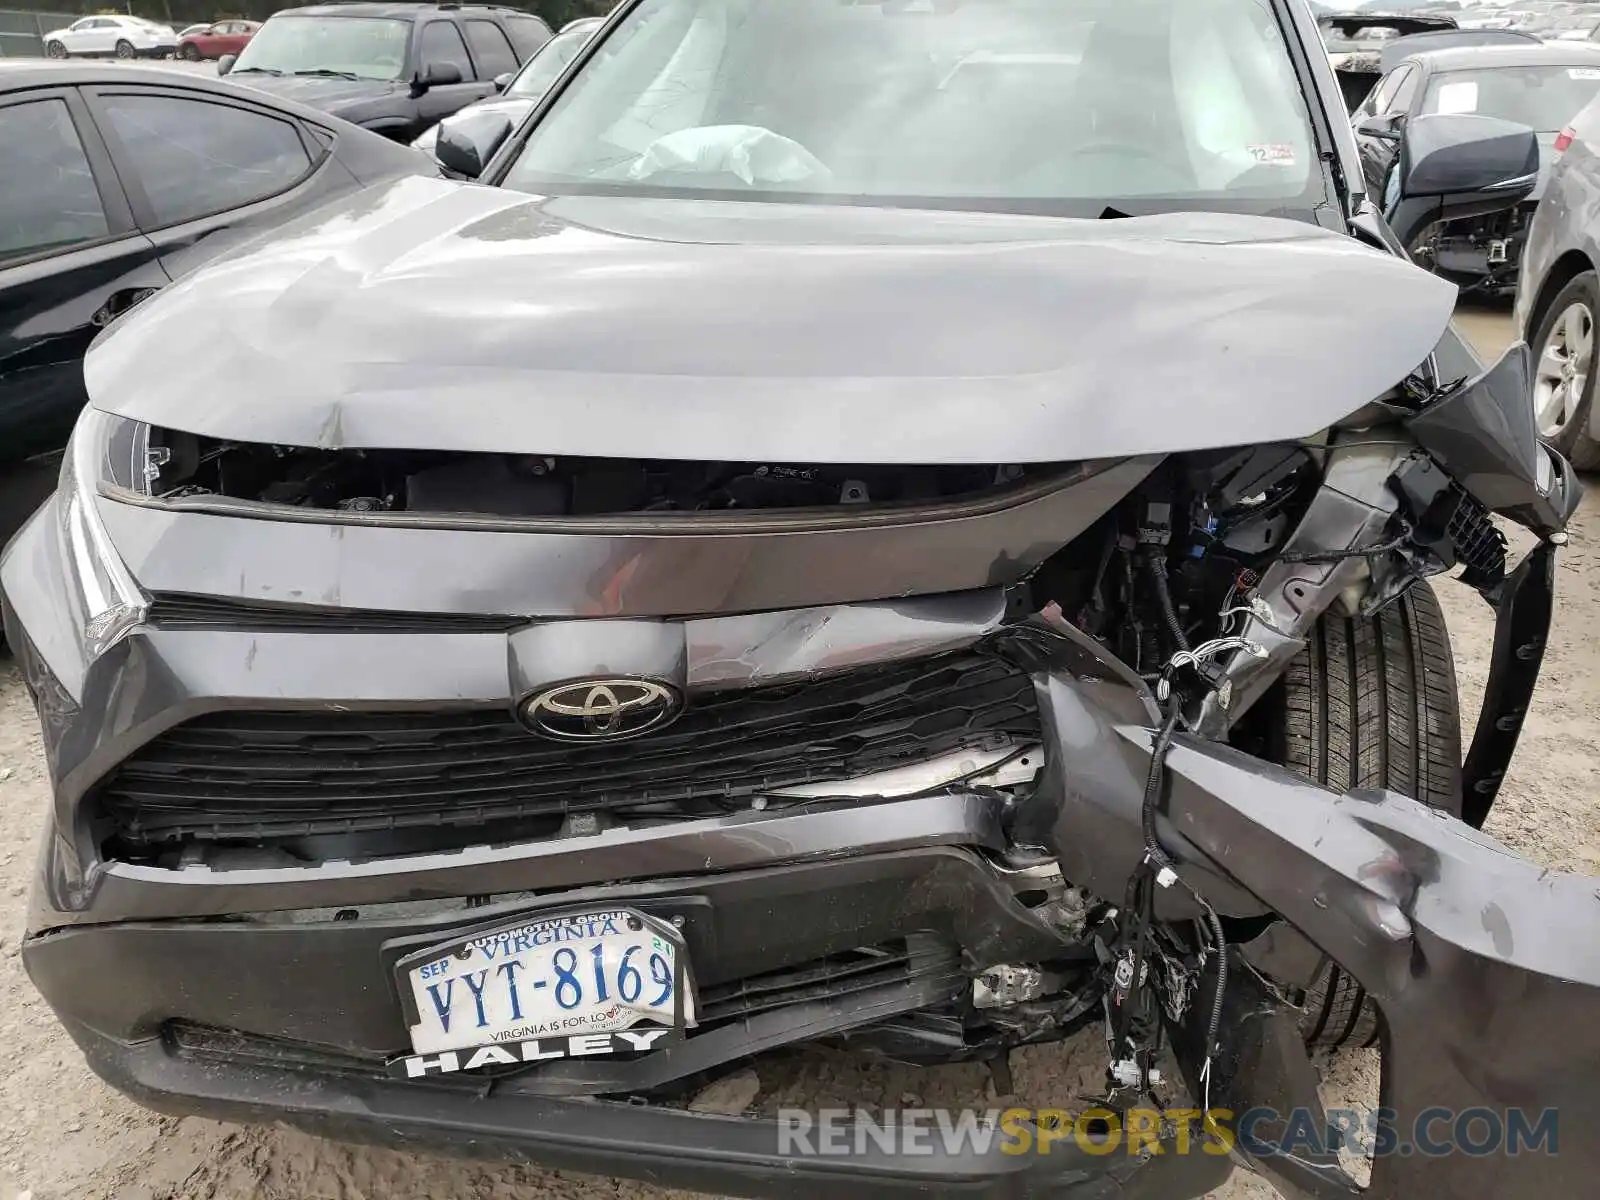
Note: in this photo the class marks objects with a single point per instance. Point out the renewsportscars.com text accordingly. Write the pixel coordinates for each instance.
(1263, 1132)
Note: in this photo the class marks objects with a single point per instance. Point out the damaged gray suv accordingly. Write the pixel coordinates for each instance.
(901, 526)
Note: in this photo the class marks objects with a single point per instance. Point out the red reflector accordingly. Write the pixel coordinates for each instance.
(1563, 139)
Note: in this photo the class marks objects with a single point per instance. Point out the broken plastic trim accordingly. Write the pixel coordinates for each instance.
(797, 520)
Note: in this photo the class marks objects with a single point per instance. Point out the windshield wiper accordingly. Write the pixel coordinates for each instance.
(254, 70)
(328, 72)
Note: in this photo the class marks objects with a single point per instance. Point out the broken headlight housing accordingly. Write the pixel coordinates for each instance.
(104, 600)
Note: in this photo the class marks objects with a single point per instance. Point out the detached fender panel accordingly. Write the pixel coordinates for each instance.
(1486, 968)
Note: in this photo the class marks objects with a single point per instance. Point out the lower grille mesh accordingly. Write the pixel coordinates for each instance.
(259, 777)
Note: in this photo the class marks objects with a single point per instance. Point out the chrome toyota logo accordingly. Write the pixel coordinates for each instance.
(592, 710)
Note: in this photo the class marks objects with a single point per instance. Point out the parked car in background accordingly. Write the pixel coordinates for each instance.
(521, 93)
(1541, 85)
(396, 69)
(1558, 294)
(1354, 43)
(1578, 27)
(109, 35)
(213, 41)
(117, 181)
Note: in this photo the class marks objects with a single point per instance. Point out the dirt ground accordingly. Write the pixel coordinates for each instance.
(64, 1136)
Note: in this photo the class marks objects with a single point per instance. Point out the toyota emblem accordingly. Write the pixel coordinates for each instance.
(593, 710)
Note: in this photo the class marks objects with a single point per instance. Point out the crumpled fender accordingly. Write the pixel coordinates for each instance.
(1485, 967)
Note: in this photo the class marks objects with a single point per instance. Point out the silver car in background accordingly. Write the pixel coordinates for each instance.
(1558, 295)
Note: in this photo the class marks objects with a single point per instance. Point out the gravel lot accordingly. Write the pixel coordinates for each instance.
(64, 1136)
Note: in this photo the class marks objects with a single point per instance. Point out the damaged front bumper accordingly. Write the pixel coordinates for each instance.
(1486, 968)
(669, 1148)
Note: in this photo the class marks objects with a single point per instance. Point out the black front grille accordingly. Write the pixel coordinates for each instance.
(263, 777)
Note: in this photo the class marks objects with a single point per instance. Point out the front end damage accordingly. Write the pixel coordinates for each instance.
(963, 759)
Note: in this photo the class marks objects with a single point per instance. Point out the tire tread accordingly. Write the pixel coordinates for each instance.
(1372, 703)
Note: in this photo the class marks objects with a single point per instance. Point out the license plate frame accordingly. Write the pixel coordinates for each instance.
(631, 1033)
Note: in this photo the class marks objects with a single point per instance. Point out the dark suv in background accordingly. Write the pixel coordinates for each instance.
(397, 69)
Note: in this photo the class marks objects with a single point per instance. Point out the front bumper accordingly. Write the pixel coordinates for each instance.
(1487, 971)
(669, 1148)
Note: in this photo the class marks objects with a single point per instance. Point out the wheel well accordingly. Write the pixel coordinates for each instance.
(1565, 269)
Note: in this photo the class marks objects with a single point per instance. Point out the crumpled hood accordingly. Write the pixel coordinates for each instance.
(429, 314)
(325, 92)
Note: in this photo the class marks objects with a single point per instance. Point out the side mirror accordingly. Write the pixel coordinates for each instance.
(1455, 165)
(503, 80)
(225, 63)
(433, 75)
(468, 141)
(1387, 126)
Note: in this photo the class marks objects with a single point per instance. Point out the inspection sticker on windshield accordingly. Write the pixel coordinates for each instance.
(1272, 152)
(603, 982)
(1583, 72)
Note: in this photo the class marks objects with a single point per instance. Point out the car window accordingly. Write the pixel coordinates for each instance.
(527, 34)
(1378, 102)
(994, 103)
(366, 47)
(441, 43)
(193, 158)
(545, 67)
(49, 199)
(1405, 91)
(490, 48)
(1544, 98)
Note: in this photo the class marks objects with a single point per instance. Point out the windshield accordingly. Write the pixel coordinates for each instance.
(361, 47)
(1543, 98)
(993, 103)
(545, 67)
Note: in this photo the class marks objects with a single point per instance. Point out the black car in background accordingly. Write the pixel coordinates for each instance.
(1539, 85)
(396, 69)
(117, 180)
(521, 94)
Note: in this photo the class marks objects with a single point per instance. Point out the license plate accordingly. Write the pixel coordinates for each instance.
(607, 981)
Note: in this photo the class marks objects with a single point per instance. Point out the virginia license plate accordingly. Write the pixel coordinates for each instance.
(608, 981)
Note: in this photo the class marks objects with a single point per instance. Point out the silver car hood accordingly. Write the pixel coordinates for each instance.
(430, 314)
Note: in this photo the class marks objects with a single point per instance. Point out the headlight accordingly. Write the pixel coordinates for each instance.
(105, 601)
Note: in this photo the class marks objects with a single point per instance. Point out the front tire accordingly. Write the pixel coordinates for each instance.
(124, 48)
(1564, 370)
(1371, 703)
(191, 52)
(55, 50)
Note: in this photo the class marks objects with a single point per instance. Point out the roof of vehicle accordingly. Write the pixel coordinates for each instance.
(402, 9)
(1529, 54)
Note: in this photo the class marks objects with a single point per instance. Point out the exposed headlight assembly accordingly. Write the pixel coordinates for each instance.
(105, 601)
